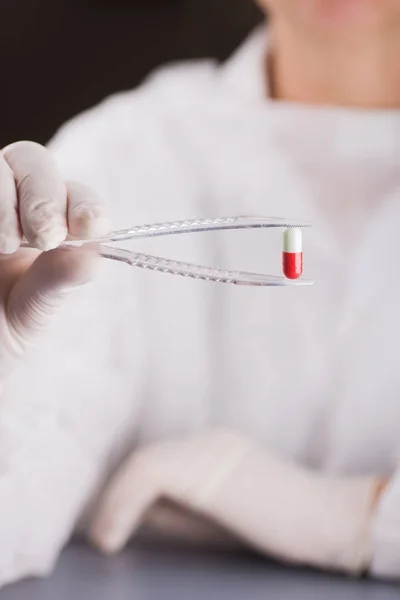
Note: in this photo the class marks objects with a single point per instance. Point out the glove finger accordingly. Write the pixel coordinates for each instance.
(10, 234)
(42, 195)
(87, 213)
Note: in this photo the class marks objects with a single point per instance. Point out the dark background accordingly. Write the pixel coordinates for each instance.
(59, 57)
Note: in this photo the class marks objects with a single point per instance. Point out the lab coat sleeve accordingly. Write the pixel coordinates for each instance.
(386, 533)
(49, 470)
(45, 478)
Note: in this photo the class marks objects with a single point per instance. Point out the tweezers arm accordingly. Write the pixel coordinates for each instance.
(183, 269)
(201, 225)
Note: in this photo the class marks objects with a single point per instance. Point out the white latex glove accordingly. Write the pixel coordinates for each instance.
(36, 204)
(272, 505)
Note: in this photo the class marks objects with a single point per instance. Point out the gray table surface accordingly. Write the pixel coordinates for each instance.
(144, 573)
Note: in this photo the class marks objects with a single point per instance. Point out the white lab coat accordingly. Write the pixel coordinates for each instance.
(313, 373)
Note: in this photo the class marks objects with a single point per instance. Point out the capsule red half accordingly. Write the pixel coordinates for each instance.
(292, 255)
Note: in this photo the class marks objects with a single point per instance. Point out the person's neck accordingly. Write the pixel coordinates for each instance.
(350, 70)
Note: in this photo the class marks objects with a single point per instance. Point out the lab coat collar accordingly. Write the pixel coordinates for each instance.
(350, 134)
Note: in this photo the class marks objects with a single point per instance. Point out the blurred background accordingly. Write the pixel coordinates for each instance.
(60, 57)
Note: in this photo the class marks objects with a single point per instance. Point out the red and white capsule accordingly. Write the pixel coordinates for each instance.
(292, 255)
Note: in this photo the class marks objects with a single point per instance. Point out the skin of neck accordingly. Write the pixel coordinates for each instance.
(354, 68)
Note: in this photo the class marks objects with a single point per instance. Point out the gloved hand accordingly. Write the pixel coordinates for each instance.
(270, 504)
(36, 204)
